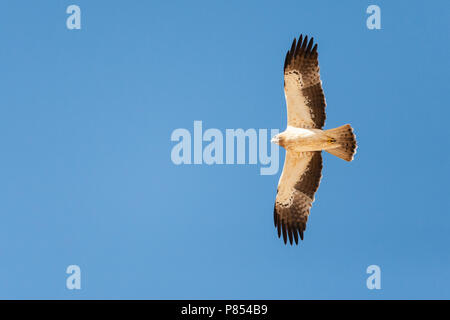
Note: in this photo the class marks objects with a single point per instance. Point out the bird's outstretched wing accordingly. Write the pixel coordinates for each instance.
(298, 184)
(302, 85)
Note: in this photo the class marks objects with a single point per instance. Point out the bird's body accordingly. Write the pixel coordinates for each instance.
(304, 139)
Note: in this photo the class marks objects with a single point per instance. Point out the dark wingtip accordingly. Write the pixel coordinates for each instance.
(294, 42)
(308, 49)
(295, 236)
(279, 228)
(275, 216)
(286, 60)
(303, 47)
(290, 234)
(299, 44)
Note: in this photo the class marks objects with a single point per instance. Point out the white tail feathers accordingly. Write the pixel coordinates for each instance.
(344, 142)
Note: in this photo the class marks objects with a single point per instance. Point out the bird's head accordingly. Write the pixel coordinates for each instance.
(279, 139)
(276, 139)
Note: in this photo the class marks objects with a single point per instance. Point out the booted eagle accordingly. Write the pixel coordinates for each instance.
(304, 140)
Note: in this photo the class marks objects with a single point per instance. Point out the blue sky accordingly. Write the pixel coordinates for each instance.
(87, 179)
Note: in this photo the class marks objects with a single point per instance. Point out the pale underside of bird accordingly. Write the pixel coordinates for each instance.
(304, 140)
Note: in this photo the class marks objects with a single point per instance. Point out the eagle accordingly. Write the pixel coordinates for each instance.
(304, 139)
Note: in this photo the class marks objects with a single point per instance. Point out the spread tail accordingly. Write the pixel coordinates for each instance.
(344, 142)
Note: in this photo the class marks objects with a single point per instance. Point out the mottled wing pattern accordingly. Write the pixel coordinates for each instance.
(302, 86)
(298, 184)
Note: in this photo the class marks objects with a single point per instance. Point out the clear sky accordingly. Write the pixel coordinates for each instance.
(87, 178)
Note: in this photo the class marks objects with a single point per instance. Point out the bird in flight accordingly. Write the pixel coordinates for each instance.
(304, 140)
